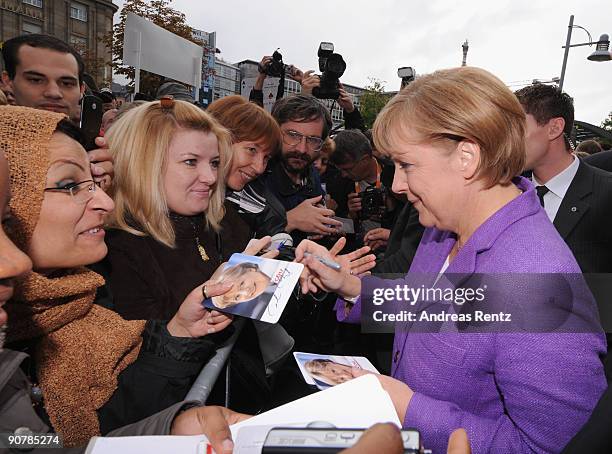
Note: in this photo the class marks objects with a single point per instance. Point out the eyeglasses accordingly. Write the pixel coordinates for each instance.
(294, 138)
(81, 192)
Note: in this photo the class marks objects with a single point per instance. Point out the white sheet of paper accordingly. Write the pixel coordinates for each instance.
(145, 445)
(359, 403)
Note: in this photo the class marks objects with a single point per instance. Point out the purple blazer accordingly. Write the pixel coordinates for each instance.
(512, 392)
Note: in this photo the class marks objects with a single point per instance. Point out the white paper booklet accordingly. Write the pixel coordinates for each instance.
(359, 403)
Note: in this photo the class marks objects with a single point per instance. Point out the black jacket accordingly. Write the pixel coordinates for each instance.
(403, 243)
(288, 193)
(595, 436)
(601, 160)
(259, 209)
(148, 280)
(584, 219)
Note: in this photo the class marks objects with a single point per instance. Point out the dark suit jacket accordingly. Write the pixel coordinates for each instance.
(584, 219)
(601, 160)
(403, 242)
(596, 435)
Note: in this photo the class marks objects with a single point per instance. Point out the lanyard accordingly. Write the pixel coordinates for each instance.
(377, 184)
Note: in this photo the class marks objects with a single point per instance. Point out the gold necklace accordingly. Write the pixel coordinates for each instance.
(201, 249)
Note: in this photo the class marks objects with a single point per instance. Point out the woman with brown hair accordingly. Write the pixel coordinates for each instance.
(256, 137)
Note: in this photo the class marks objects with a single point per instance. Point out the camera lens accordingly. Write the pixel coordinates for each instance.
(336, 64)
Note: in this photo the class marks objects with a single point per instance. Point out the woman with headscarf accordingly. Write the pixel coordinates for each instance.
(92, 370)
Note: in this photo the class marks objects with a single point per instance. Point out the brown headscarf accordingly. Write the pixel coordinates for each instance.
(80, 348)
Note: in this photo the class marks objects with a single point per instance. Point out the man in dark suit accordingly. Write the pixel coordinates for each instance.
(576, 196)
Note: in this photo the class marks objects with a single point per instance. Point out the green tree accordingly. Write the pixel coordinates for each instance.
(607, 125)
(160, 13)
(373, 100)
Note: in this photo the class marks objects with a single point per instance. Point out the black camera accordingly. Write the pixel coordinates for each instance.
(407, 74)
(276, 68)
(372, 202)
(332, 66)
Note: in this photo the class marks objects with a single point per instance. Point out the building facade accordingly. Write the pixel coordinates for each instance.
(209, 46)
(82, 23)
(227, 79)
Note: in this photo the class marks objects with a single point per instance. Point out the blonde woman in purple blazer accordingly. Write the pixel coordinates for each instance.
(457, 139)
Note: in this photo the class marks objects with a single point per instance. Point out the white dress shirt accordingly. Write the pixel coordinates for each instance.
(557, 187)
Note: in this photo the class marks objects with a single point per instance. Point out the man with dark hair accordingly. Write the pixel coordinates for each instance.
(44, 73)
(305, 123)
(577, 197)
(367, 198)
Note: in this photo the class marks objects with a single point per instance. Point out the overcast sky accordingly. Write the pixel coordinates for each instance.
(517, 40)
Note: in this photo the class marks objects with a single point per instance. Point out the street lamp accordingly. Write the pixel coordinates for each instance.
(601, 51)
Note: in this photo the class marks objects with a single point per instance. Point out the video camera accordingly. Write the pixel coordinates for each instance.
(332, 66)
(407, 74)
(276, 68)
(372, 202)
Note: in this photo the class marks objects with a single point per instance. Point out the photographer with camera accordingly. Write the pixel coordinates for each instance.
(328, 85)
(367, 198)
(273, 66)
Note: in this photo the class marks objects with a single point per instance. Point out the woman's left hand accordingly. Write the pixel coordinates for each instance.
(360, 261)
(399, 391)
(193, 319)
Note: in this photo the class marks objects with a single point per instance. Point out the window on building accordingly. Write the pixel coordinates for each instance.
(79, 43)
(78, 11)
(37, 3)
(31, 28)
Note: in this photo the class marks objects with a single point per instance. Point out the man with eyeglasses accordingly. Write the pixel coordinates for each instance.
(305, 123)
(365, 193)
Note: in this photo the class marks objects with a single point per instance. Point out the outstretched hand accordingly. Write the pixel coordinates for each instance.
(317, 276)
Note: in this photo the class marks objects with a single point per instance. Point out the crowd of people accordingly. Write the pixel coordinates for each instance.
(106, 256)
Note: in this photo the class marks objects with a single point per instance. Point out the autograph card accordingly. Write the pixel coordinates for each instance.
(324, 371)
(260, 287)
